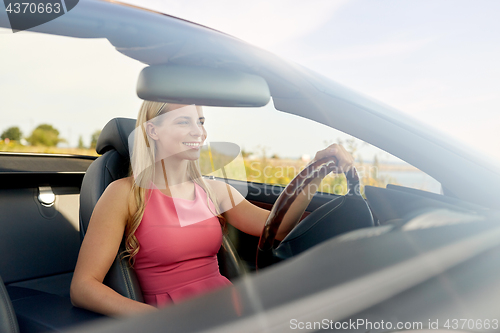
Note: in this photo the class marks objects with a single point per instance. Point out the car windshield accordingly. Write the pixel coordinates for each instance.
(59, 103)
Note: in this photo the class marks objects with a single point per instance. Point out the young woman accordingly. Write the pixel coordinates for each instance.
(170, 217)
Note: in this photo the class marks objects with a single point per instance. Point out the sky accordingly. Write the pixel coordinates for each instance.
(434, 60)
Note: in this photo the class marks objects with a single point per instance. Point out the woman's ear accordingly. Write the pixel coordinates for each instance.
(151, 131)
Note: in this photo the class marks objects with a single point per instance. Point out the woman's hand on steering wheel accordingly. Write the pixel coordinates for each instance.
(334, 158)
(338, 154)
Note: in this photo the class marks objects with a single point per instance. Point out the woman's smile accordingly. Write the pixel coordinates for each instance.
(193, 144)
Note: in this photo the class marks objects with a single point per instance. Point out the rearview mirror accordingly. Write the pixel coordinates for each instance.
(202, 86)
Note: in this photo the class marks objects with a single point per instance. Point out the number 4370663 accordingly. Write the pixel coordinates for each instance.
(33, 8)
(471, 324)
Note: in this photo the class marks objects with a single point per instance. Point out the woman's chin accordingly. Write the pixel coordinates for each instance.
(191, 155)
(181, 154)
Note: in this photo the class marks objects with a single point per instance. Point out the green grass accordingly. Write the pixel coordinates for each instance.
(13, 146)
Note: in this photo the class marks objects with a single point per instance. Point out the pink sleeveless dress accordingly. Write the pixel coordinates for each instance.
(179, 241)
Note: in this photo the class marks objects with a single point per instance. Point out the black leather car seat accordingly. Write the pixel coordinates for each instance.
(8, 320)
(113, 165)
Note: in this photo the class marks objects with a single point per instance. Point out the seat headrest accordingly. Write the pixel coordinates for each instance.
(115, 136)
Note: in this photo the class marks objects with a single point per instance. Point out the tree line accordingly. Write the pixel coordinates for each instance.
(44, 135)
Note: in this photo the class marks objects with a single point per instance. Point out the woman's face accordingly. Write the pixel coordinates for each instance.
(179, 133)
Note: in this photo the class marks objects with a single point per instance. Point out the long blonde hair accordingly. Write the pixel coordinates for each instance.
(143, 158)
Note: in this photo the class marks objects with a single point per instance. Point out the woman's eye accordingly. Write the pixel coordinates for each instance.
(183, 123)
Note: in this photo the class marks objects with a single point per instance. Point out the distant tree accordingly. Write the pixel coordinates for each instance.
(80, 142)
(245, 153)
(374, 171)
(93, 139)
(45, 135)
(12, 133)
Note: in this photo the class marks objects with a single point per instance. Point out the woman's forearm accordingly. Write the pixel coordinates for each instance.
(95, 296)
(298, 208)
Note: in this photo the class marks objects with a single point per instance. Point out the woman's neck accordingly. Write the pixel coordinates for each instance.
(171, 173)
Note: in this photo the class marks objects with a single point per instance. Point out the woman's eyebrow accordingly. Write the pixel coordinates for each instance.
(188, 118)
(185, 117)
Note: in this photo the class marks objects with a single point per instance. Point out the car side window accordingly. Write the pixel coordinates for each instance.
(92, 82)
(276, 146)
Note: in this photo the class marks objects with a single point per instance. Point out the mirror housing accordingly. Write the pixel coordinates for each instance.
(202, 86)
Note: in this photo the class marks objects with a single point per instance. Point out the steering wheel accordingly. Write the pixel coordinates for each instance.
(320, 167)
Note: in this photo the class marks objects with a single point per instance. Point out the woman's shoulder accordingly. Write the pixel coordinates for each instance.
(226, 194)
(218, 186)
(121, 186)
(120, 193)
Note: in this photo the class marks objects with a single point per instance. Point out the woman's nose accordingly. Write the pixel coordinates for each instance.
(196, 130)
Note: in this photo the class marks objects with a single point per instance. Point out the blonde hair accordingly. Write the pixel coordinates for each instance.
(143, 159)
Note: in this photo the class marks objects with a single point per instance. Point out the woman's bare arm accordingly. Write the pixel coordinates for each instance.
(98, 251)
(250, 219)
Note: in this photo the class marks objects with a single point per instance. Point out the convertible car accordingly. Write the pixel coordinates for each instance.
(372, 252)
